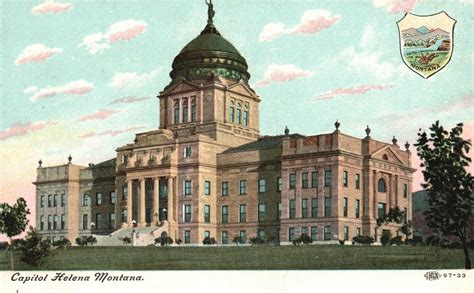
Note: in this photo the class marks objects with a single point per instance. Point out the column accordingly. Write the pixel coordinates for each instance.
(141, 212)
(390, 192)
(170, 212)
(375, 194)
(396, 191)
(129, 202)
(155, 208)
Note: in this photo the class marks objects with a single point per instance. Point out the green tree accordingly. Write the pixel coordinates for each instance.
(444, 157)
(13, 221)
(34, 248)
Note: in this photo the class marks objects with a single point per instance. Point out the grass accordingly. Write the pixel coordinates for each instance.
(312, 257)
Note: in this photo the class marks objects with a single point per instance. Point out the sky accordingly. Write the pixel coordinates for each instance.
(81, 77)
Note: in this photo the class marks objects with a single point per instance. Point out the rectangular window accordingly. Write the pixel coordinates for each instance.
(327, 207)
(98, 220)
(261, 186)
(346, 233)
(344, 206)
(98, 198)
(63, 199)
(50, 200)
(185, 110)
(261, 234)
(357, 208)
(187, 187)
(84, 222)
(314, 233)
(304, 208)
(243, 213)
(314, 207)
(344, 178)
(243, 187)
(207, 234)
(112, 220)
(42, 202)
(55, 202)
(243, 236)
(261, 212)
(314, 179)
(187, 236)
(207, 213)
(225, 188)
(380, 209)
(405, 190)
(327, 178)
(85, 199)
(279, 210)
(304, 180)
(55, 223)
(41, 222)
(225, 214)
(176, 111)
(124, 215)
(327, 232)
(112, 197)
(292, 209)
(187, 152)
(304, 231)
(358, 231)
(187, 213)
(50, 222)
(280, 184)
(225, 237)
(291, 234)
(63, 221)
(292, 181)
(357, 181)
(193, 109)
(207, 187)
(124, 192)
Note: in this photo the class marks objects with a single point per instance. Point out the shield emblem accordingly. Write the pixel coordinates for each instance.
(426, 42)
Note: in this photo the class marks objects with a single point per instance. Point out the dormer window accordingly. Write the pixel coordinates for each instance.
(185, 110)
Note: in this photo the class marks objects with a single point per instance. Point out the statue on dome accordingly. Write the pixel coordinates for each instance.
(210, 11)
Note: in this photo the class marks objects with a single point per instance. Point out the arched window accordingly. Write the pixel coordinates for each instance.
(193, 110)
(231, 112)
(185, 110)
(239, 114)
(245, 118)
(176, 112)
(381, 186)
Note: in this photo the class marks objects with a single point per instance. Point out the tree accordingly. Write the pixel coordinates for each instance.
(13, 221)
(34, 248)
(444, 157)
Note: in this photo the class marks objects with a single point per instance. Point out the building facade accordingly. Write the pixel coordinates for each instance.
(207, 171)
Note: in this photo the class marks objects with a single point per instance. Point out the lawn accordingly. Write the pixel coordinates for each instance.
(312, 257)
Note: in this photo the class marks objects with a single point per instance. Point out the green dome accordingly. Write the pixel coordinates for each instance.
(209, 54)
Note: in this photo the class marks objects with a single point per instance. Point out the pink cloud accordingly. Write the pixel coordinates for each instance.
(129, 100)
(124, 30)
(396, 6)
(78, 87)
(99, 115)
(357, 90)
(313, 21)
(283, 73)
(20, 129)
(110, 132)
(36, 53)
(50, 6)
(464, 103)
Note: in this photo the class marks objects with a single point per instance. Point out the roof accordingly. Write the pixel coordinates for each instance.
(264, 142)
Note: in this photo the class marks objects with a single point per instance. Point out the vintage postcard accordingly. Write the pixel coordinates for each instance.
(275, 145)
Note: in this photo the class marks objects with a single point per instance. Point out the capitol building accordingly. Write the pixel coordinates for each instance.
(208, 172)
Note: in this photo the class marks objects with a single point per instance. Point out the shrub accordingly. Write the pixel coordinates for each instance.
(164, 240)
(34, 248)
(17, 244)
(417, 240)
(433, 240)
(271, 240)
(63, 243)
(303, 239)
(179, 241)
(385, 237)
(237, 240)
(255, 241)
(209, 241)
(84, 241)
(127, 240)
(397, 240)
(363, 239)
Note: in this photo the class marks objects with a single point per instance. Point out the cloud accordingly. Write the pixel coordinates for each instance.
(30, 90)
(464, 103)
(78, 87)
(99, 115)
(356, 90)
(110, 132)
(124, 30)
(36, 53)
(312, 21)
(396, 6)
(129, 100)
(124, 80)
(20, 129)
(283, 73)
(49, 6)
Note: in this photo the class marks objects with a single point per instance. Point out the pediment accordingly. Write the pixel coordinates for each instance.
(180, 87)
(387, 154)
(242, 89)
